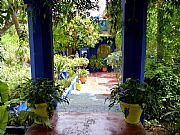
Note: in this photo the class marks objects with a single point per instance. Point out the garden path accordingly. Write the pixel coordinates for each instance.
(88, 113)
(91, 97)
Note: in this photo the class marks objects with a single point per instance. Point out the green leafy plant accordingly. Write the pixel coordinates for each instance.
(92, 61)
(83, 62)
(41, 91)
(99, 63)
(83, 72)
(164, 107)
(132, 97)
(96, 63)
(114, 60)
(3, 107)
(131, 91)
(68, 63)
(65, 83)
(62, 63)
(22, 118)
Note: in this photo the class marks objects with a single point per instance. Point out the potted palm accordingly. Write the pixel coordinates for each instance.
(82, 74)
(42, 96)
(131, 96)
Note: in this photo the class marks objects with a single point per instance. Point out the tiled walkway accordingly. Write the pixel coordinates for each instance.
(91, 97)
(88, 113)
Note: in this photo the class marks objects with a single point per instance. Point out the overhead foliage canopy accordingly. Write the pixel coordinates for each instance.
(14, 11)
(68, 8)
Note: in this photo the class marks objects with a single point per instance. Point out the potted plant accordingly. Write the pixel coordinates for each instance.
(81, 62)
(78, 86)
(3, 107)
(99, 63)
(42, 96)
(104, 65)
(92, 62)
(104, 68)
(82, 74)
(131, 96)
(114, 60)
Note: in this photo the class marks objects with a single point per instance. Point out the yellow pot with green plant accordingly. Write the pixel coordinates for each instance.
(132, 112)
(42, 96)
(131, 96)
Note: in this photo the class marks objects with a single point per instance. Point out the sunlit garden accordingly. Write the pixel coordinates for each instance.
(88, 41)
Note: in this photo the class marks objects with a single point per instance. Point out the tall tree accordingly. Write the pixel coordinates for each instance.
(11, 13)
(165, 9)
(160, 14)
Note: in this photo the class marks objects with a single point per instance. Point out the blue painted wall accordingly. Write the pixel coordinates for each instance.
(93, 51)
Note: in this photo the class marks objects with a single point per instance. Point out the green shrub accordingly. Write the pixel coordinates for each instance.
(166, 97)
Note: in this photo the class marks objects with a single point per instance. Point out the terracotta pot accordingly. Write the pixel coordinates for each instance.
(83, 79)
(104, 68)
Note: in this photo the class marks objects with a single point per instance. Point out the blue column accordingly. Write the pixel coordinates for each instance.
(134, 39)
(40, 36)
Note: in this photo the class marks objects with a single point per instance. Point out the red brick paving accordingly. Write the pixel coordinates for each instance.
(88, 124)
(100, 83)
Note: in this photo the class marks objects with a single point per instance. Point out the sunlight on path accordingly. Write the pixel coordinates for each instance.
(98, 83)
(91, 97)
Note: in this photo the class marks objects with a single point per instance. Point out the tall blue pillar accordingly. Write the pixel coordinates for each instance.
(40, 36)
(134, 39)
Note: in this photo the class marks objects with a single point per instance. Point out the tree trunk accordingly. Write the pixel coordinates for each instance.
(160, 50)
(13, 6)
(16, 23)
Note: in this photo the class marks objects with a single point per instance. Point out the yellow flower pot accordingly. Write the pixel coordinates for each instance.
(78, 86)
(41, 109)
(134, 112)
